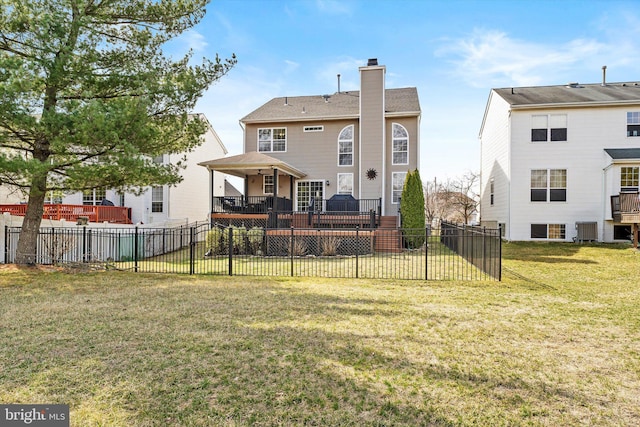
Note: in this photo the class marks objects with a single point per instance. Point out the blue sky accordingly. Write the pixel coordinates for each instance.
(454, 52)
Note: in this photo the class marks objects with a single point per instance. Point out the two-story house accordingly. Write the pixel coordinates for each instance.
(308, 152)
(562, 163)
(188, 201)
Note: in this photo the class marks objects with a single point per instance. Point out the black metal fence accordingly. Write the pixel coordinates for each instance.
(480, 246)
(422, 254)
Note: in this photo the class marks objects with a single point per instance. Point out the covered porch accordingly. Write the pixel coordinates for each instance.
(278, 205)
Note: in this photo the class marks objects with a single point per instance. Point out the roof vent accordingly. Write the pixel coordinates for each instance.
(573, 85)
(326, 98)
(604, 75)
(372, 61)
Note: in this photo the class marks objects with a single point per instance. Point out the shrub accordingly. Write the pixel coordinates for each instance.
(217, 241)
(329, 245)
(255, 237)
(412, 210)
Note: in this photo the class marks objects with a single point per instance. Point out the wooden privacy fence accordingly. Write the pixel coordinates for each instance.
(448, 253)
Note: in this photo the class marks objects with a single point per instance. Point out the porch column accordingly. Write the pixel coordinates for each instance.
(275, 189)
(213, 197)
(291, 181)
(246, 190)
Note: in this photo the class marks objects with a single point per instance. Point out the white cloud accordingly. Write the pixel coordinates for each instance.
(493, 59)
(291, 66)
(193, 40)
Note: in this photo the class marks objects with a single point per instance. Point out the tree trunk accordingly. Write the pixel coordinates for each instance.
(28, 240)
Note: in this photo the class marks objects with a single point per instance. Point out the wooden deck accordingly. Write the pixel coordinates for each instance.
(111, 214)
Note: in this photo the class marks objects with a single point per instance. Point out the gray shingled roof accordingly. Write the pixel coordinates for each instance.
(338, 105)
(627, 92)
(623, 153)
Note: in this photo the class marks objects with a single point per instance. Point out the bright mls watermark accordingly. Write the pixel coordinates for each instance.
(34, 415)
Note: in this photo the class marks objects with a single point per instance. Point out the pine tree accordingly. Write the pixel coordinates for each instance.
(87, 97)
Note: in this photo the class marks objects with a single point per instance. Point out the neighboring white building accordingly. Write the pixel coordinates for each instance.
(554, 159)
(190, 200)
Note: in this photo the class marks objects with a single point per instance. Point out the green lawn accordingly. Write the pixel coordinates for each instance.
(556, 343)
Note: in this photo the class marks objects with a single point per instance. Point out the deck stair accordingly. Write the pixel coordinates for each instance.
(388, 237)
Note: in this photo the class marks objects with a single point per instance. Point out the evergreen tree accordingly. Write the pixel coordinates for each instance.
(88, 98)
(412, 209)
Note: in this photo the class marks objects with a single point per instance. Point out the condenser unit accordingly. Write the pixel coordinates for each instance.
(586, 231)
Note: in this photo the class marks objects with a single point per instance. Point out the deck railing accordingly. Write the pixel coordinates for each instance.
(55, 211)
(272, 212)
(625, 204)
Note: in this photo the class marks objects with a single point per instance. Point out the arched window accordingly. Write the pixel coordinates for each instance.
(345, 146)
(400, 154)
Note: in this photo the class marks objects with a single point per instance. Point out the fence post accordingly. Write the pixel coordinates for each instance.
(426, 253)
(291, 246)
(135, 250)
(499, 253)
(84, 243)
(192, 247)
(230, 249)
(6, 244)
(357, 249)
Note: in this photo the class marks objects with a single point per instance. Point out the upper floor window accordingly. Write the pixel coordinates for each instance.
(397, 185)
(267, 184)
(272, 140)
(549, 127)
(549, 185)
(313, 129)
(629, 178)
(633, 123)
(345, 183)
(345, 146)
(400, 145)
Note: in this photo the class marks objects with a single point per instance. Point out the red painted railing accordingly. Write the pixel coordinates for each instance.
(112, 214)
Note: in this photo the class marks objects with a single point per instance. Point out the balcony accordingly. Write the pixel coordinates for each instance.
(111, 214)
(625, 208)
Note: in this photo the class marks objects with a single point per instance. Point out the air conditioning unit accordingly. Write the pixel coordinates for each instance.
(586, 231)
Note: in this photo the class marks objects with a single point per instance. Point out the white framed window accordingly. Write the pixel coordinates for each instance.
(94, 197)
(158, 160)
(633, 123)
(313, 129)
(267, 184)
(491, 194)
(272, 140)
(400, 154)
(345, 146)
(548, 231)
(157, 199)
(548, 127)
(548, 185)
(308, 191)
(54, 197)
(345, 183)
(397, 184)
(629, 178)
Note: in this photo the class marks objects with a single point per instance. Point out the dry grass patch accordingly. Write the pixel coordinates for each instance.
(555, 343)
